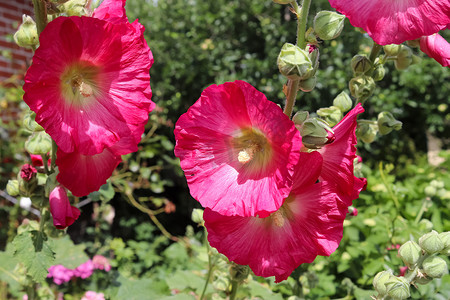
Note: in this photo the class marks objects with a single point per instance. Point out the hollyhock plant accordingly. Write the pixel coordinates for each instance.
(394, 22)
(238, 150)
(27, 172)
(309, 223)
(63, 213)
(437, 47)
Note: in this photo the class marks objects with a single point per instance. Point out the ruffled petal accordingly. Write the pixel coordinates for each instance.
(112, 11)
(63, 213)
(437, 47)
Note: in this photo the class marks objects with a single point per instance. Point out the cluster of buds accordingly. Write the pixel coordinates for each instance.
(435, 188)
(315, 132)
(422, 263)
(367, 130)
(333, 114)
(402, 56)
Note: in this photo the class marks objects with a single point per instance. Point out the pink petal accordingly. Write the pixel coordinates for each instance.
(63, 214)
(112, 11)
(437, 47)
(393, 22)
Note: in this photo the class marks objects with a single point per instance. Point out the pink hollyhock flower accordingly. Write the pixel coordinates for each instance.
(101, 263)
(394, 22)
(27, 172)
(84, 270)
(63, 213)
(339, 155)
(309, 223)
(91, 295)
(36, 160)
(437, 47)
(89, 83)
(238, 150)
(60, 274)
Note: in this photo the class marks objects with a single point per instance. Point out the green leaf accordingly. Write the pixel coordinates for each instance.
(68, 254)
(34, 250)
(136, 289)
(257, 289)
(8, 274)
(183, 280)
(107, 192)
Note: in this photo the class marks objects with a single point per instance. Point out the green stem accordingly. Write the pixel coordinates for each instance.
(210, 269)
(301, 27)
(54, 149)
(421, 211)
(388, 187)
(374, 52)
(292, 88)
(234, 289)
(40, 14)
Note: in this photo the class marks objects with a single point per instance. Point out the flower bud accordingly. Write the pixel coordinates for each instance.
(332, 115)
(379, 281)
(38, 143)
(445, 238)
(197, 215)
(74, 8)
(30, 123)
(343, 102)
(362, 87)
(26, 36)
(425, 225)
(300, 117)
(239, 272)
(360, 64)
(397, 288)
(431, 242)
(430, 191)
(63, 213)
(435, 267)
(404, 58)
(27, 180)
(28, 172)
(315, 133)
(367, 132)
(378, 73)
(308, 84)
(410, 253)
(294, 63)
(437, 184)
(328, 25)
(386, 123)
(12, 187)
(391, 50)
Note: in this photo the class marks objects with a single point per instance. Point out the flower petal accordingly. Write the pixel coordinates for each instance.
(437, 47)
(63, 213)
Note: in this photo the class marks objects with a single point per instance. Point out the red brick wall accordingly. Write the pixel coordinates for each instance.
(17, 59)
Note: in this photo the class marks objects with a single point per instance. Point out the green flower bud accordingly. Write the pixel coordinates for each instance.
(437, 184)
(197, 215)
(75, 8)
(12, 187)
(30, 123)
(410, 253)
(380, 280)
(367, 132)
(294, 63)
(38, 143)
(239, 272)
(386, 123)
(404, 58)
(26, 36)
(300, 117)
(283, 1)
(425, 225)
(343, 102)
(315, 133)
(332, 115)
(445, 238)
(430, 191)
(360, 64)
(431, 242)
(362, 87)
(391, 50)
(397, 288)
(435, 267)
(308, 84)
(328, 25)
(378, 73)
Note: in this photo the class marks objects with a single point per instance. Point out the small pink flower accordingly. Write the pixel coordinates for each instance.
(63, 213)
(394, 22)
(27, 172)
(437, 47)
(101, 263)
(84, 270)
(238, 150)
(91, 295)
(60, 274)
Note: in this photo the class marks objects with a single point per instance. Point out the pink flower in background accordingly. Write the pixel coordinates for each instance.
(101, 263)
(84, 270)
(396, 21)
(27, 172)
(91, 295)
(437, 47)
(63, 213)
(238, 150)
(309, 223)
(60, 274)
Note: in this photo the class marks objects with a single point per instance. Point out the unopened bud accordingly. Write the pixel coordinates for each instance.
(435, 267)
(404, 58)
(328, 25)
(300, 117)
(197, 215)
(410, 253)
(362, 87)
(38, 143)
(366, 132)
(430, 191)
(239, 272)
(379, 281)
(445, 238)
(26, 36)
(315, 133)
(391, 50)
(12, 187)
(425, 225)
(397, 288)
(431, 242)
(343, 102)
(30, 123)
(75, 8)
(386, 123)
(360, 64)
(332, 115)
(378, 73)
(294, 63)
(307, 85)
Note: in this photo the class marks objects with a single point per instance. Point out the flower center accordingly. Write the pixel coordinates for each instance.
(252, 146)
(79, 83)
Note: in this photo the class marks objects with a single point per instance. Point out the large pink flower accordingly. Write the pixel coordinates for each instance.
(89, 83)
(238, 150)
(437, 47)
(309, 223)
(63, 213)
(339, 155)
(396, 21)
